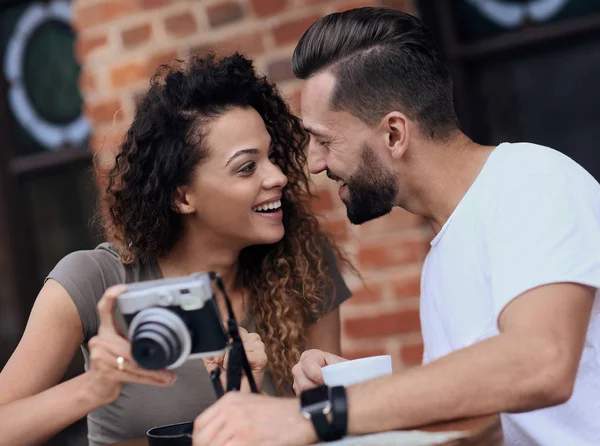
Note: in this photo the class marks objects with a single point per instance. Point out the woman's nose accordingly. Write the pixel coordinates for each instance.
(275, 178)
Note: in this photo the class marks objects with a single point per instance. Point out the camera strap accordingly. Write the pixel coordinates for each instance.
(238, 361)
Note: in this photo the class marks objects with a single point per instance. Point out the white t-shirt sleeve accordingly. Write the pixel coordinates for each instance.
(543, 230)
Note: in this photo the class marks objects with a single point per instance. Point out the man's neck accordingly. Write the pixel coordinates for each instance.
(445, 174)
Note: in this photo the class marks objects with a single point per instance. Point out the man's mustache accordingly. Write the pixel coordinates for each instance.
(332, 176)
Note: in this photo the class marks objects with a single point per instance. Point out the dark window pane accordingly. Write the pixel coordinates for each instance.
(61, 212)
(550, 96)
(10, 329)
(53, 92)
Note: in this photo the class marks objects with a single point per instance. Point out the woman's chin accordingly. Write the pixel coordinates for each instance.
(270, 236)
(263, 234)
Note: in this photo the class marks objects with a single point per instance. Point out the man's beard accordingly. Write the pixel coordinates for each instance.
(372, 189)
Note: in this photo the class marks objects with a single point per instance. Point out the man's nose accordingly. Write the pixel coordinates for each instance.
(316, 159)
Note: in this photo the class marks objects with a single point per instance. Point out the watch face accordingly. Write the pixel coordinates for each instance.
(313, 396)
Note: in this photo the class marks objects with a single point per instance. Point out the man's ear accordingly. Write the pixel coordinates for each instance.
(395, 131)
(183, 202)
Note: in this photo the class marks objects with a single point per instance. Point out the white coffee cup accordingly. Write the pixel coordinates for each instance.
(356, 371)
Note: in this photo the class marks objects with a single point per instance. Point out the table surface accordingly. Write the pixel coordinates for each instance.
(479, 431)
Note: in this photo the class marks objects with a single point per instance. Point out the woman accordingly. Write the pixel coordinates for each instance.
(209, 178)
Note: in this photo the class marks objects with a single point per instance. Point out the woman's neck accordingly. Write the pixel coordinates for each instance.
(190, 256)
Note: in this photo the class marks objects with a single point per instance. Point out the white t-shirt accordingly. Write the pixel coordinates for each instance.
(531, 217)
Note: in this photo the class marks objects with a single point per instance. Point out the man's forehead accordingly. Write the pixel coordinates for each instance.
(322, 82)
(316, 92)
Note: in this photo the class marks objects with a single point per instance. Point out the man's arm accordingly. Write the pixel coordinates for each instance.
(530, 365)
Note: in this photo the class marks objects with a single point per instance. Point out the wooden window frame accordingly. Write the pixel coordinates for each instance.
(19, 246)
(438, 16)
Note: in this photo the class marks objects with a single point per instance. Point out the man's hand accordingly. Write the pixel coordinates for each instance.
(307, 373)
(239, 419)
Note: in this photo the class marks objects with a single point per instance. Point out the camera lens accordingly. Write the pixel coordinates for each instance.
(155, 346)
(159, 339)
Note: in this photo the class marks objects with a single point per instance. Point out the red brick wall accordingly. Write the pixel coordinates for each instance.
(121, 43)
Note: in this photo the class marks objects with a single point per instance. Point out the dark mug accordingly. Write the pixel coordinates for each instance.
(171, 435)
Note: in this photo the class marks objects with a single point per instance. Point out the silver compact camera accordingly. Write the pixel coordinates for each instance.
(169, 321)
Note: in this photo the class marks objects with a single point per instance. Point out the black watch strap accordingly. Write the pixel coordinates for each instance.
(339, 408)
(327, 409)
(322, 427)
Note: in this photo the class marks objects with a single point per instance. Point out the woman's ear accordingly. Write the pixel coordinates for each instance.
(395, 126)
(182, 201)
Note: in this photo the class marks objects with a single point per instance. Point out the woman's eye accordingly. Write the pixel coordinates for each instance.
(248, 167)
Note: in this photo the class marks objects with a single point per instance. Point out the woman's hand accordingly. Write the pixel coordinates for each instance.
(257, 357)
(111, 363)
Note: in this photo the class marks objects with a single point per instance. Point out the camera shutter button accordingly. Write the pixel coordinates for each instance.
(165, 300)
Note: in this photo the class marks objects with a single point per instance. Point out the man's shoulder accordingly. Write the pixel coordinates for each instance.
(527, 168)
(524, 158)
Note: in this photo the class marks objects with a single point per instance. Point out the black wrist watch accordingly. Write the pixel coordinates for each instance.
(327, 409)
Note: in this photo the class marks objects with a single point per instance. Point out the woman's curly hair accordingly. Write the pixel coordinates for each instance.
(287, 281)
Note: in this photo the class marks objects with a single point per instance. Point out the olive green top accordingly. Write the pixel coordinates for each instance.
(86, 275)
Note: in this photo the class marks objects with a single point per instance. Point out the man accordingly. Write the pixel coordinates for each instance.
(510, 306)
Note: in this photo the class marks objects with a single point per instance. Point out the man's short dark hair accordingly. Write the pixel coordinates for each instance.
(383, 60)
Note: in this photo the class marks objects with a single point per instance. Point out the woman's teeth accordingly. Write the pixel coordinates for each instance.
(267, 206)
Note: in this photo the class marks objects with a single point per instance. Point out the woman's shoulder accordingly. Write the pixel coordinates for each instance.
(102, 263)
(85, 275)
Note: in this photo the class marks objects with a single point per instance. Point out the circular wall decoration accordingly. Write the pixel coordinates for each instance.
(511, 14)
(31, 105)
